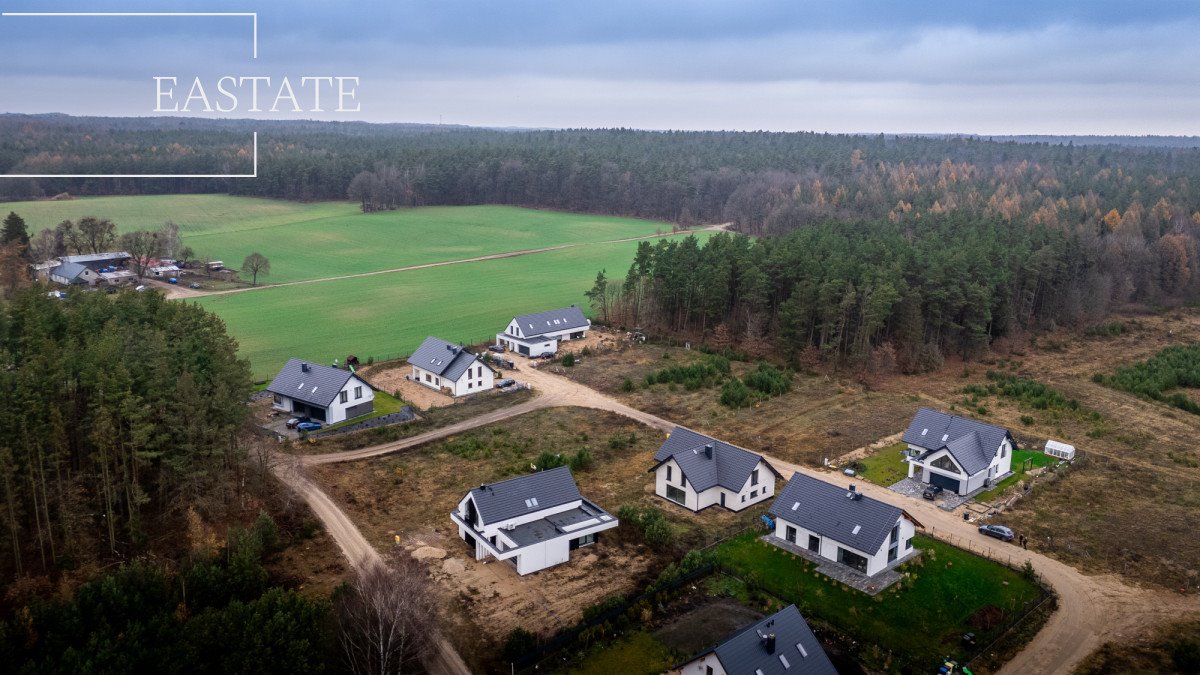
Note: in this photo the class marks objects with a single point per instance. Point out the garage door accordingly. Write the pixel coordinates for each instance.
(946, 482)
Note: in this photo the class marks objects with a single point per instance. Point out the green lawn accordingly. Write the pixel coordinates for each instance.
(886, 466)
(310, 241)
(637, 654)
(1018, 465)
(389, 314)
(917, 624)
(385, 404)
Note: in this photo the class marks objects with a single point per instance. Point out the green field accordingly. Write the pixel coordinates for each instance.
(312, 241)
(389, 314)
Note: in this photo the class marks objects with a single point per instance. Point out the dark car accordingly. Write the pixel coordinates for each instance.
(998, 531)
(308, 426)
(932, 491)
(291, 424)
(506, 382)
(499, 349)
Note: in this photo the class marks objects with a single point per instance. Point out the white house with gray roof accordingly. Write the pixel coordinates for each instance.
(531, 521)
(780, 644)
(959, 454)
(539, 334)
(842, 525)
(698, 471)
(450, 368)
(326, 394)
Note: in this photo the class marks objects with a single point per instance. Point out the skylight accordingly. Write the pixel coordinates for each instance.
(856, 529)
(944, 437)
(784, 661)
(531, 502)
(795, 506)
(758, 671)
(924, 431)
(800, 648)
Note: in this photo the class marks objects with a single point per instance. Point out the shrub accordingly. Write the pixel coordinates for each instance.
(627, 385)
(1027, 570)
(701, 374)
(1027, 420)
(518, 643)
(768, 380)
(735, 394)
(550, 460)
(582, 460)
(1185, 653)
(568, 360)
(622, 441)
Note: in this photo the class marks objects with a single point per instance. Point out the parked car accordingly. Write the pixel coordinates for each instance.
(57, 295)
(291, 424)
(193, 285)
(932, 491)
(139, 289)
(172, 280)
(499, 349)
(506, 382)
(308, 426)
(998, 531)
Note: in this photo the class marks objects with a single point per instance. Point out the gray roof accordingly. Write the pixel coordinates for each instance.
(442, 358)
(317, 387)
(971, 442)
(746, 653)
(68, 270)
(514, 497)
(96, 257)
(729, 467)
(824, 508)
(558, 524)
(543, 322)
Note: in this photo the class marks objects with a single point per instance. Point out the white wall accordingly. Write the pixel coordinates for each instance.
(876, 561)
(475, 379)
(534, 557)
(336, 412)
(712, 496)
(699, 666)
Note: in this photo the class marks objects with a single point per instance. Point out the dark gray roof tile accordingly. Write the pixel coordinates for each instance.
(543, 322)
(971, 442)
(514, 497)
(442, 358)
(729, 467)
(746, 654)
(318, 386)
(863, 523)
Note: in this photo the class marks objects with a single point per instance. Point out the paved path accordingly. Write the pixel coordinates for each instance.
(1091, 609)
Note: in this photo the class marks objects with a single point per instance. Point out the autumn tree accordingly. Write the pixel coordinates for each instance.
(254, 265)
(387, 617)
(14, 269)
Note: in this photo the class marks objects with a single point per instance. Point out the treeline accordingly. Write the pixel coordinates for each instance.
(119, 412)
(763, 182)
(890, 294)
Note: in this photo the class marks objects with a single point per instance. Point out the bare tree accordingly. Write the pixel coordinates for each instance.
(256, 264)
(43, 246)
(169, 240)
(388, 618)
(143, 248)
(96, 235)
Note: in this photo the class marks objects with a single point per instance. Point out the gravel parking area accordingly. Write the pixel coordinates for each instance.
(911, 487)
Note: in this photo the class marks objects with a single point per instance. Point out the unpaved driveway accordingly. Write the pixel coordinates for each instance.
(1091, 609)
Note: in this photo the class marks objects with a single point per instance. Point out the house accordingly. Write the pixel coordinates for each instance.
(959, 454)
(532, 521)
(780, 644)
(70, 273)
(326, 394)
(539, 334)
(844, 526)
(698, 471)
(449, 368)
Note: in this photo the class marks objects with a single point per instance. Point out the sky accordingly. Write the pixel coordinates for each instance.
(895, 66)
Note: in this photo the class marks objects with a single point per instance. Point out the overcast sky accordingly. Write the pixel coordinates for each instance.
(1054, 67)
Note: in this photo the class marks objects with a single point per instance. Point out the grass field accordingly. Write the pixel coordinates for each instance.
(949, 590)
(312, 241)
(389, 314)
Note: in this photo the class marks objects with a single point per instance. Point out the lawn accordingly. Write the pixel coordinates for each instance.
(385, 404)
(389, 314)
(636, 654)
(886, 466)
(312, 241)
(910, 626)
(1018, 465)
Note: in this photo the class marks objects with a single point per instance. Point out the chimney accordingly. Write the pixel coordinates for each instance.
(853, 493)
(304, 367)
(769, 643)
(708, 451)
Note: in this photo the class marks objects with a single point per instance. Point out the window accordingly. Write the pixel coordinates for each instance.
(753, 494)
(814, 543)
(790, 534)
(479, 371)
(944, 462)
(743, 498)
(892, 554)
(344, 396)
(278, 399)
(357, 393)
(1003, 451)
(908, 545)
(754, 477)
(708, 670)
(895, 534)
(428, 378)
(676, 495)
(469, 385)
(669, 467)
(852, 560)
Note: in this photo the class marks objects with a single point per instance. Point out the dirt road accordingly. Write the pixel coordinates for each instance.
(1092, 609)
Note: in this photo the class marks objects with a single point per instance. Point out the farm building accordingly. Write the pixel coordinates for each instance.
(697, 471)
(844, 526)
(89, 269)
(450, 368)
(539, 334)
(69, 273)
(98, 261)
(959, 454)
(532, 521)
(326, 394)
(780, 643)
